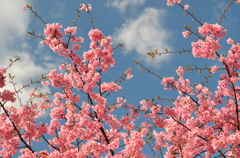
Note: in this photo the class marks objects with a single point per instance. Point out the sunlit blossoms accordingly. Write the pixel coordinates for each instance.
(206, 49)
(215, 30)
(70, 30)
(85, 115)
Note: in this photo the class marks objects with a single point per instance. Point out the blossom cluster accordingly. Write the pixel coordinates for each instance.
(84, 74)
(5, 95)
(207, 48)
(83, 122)
(84, 7)
(212, 30)
(172, 2)
(187, 125)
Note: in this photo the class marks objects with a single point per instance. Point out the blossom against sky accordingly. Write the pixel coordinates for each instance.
(140, 25)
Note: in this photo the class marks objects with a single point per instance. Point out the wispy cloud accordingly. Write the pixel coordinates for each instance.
(61, 10)
(144, 34)
(123, 4)
(218, 7)
(13, 44)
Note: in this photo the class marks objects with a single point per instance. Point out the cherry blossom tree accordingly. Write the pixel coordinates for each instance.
(199, 122)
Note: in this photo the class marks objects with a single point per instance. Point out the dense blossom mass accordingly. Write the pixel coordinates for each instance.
(199, 122)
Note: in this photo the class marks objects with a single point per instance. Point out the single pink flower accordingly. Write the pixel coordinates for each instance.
(230, 41)
(24, 8)
(214, 69)
(128, 73)
(186, 7)
(180, 71)
(186, 34)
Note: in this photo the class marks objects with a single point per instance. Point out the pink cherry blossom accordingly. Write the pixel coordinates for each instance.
(186, 34)
(180, 71)
(52, 31)
(186, 7)
(212, 30)
(172, 2)
(88, 119)
(70, 30)
(230, 41)
(2, 70)
(45, 83)
(214, 69)
(2, 80)
(205, 49)
(85, 7)
(75, 47)
(7, 95)
(128, 73)
(95, 35)
(24, 7)
(111, 86)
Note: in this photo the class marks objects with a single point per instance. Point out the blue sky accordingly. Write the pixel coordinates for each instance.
(140, 25)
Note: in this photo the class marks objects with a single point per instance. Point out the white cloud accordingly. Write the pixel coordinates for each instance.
(219, 7)
(123, 4)
(144, 34)
(13, 28)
